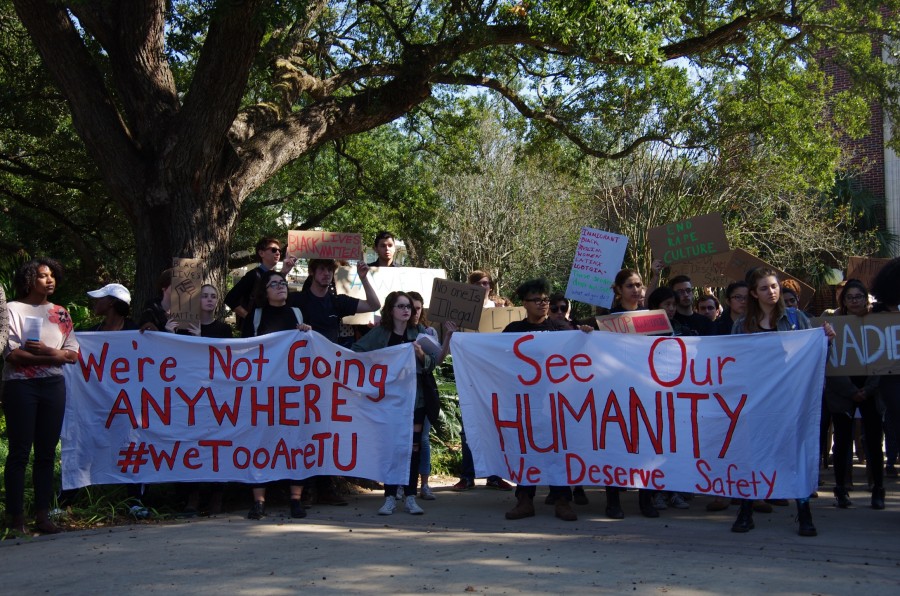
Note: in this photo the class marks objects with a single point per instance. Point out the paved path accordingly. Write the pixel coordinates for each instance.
(464, 544)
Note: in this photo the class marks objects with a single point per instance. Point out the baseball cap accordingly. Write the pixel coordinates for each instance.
(115, 290)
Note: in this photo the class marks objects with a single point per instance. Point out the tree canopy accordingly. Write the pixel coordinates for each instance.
(189, 108)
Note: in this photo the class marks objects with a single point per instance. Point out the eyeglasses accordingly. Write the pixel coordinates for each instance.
(274, 250)
(738, 297)
(854, 297)
(538, 300)
(277, 284)
(556, 309)
(403, 306)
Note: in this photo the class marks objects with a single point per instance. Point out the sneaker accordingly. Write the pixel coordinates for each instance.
(390, 503)
(399, 494)
(257, 510)
(413, 507)
(426, 494)
(678, 502)
(659, 501)
(498, 484)
(297, 510)
(138, 511)
(464, 484)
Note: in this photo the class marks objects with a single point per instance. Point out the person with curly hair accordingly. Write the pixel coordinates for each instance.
(41, 342)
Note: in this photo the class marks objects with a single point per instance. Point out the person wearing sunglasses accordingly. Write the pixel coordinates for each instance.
(534, 295)
(240, 297)
(273, 314)
(394, 330)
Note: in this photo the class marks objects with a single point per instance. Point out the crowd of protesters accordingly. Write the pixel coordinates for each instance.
(37, 341)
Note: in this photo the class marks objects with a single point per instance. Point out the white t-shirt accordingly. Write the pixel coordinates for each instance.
(56, 332)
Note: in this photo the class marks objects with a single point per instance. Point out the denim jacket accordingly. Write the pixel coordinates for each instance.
(378, 338)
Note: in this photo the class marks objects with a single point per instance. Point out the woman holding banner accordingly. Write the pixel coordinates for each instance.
(766, 312)
(270, 315)
(395, 330)
(629, 290)
(843, 395)
(41, 342)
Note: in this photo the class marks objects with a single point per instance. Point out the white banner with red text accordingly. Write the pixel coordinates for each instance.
(160, 407)
(735, 416)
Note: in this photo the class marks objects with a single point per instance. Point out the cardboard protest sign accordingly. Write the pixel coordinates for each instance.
(495, 320)
(742, 261)
(688, 414)
(867, 345)
(161, 407)
(865, 269)
(709, 271)
(598, 258)
(640, 322)
(315, 244)
(384, 281)
(457, 302)
(699, 236)
(187, 280)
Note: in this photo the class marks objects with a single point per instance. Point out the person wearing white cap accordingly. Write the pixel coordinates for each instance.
(112, 302)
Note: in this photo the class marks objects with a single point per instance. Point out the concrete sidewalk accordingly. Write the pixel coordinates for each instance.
(463, 543)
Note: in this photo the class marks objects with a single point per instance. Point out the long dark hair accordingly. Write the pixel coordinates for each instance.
(387, 311)
(754, 311)
(423, 318)
(260, 298)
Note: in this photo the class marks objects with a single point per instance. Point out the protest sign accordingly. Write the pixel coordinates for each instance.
(160, 407)
(699, 236)
(187, 281)
(384, 281)
(495, 320)
(709, 271)
(689, 414)
(597, 260)
(865, 269)
(641, 322)
(315, 244)
(742, 261)
(457, 302)
(867, 345)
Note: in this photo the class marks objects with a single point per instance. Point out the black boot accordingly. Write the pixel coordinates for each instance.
(744, 521)
(804, 516)
(878, 498)
(613, 506)
(645, 501)
(841, 497)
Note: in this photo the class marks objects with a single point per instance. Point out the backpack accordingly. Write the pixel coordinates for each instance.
(257, 316)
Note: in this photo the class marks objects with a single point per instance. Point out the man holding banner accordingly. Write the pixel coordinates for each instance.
(534, 294)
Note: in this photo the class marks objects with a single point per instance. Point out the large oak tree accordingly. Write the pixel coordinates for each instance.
(188, 107)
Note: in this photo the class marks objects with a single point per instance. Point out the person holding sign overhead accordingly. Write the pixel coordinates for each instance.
(384, 246)
(41, 341)
(270, 315)
(766, 313)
